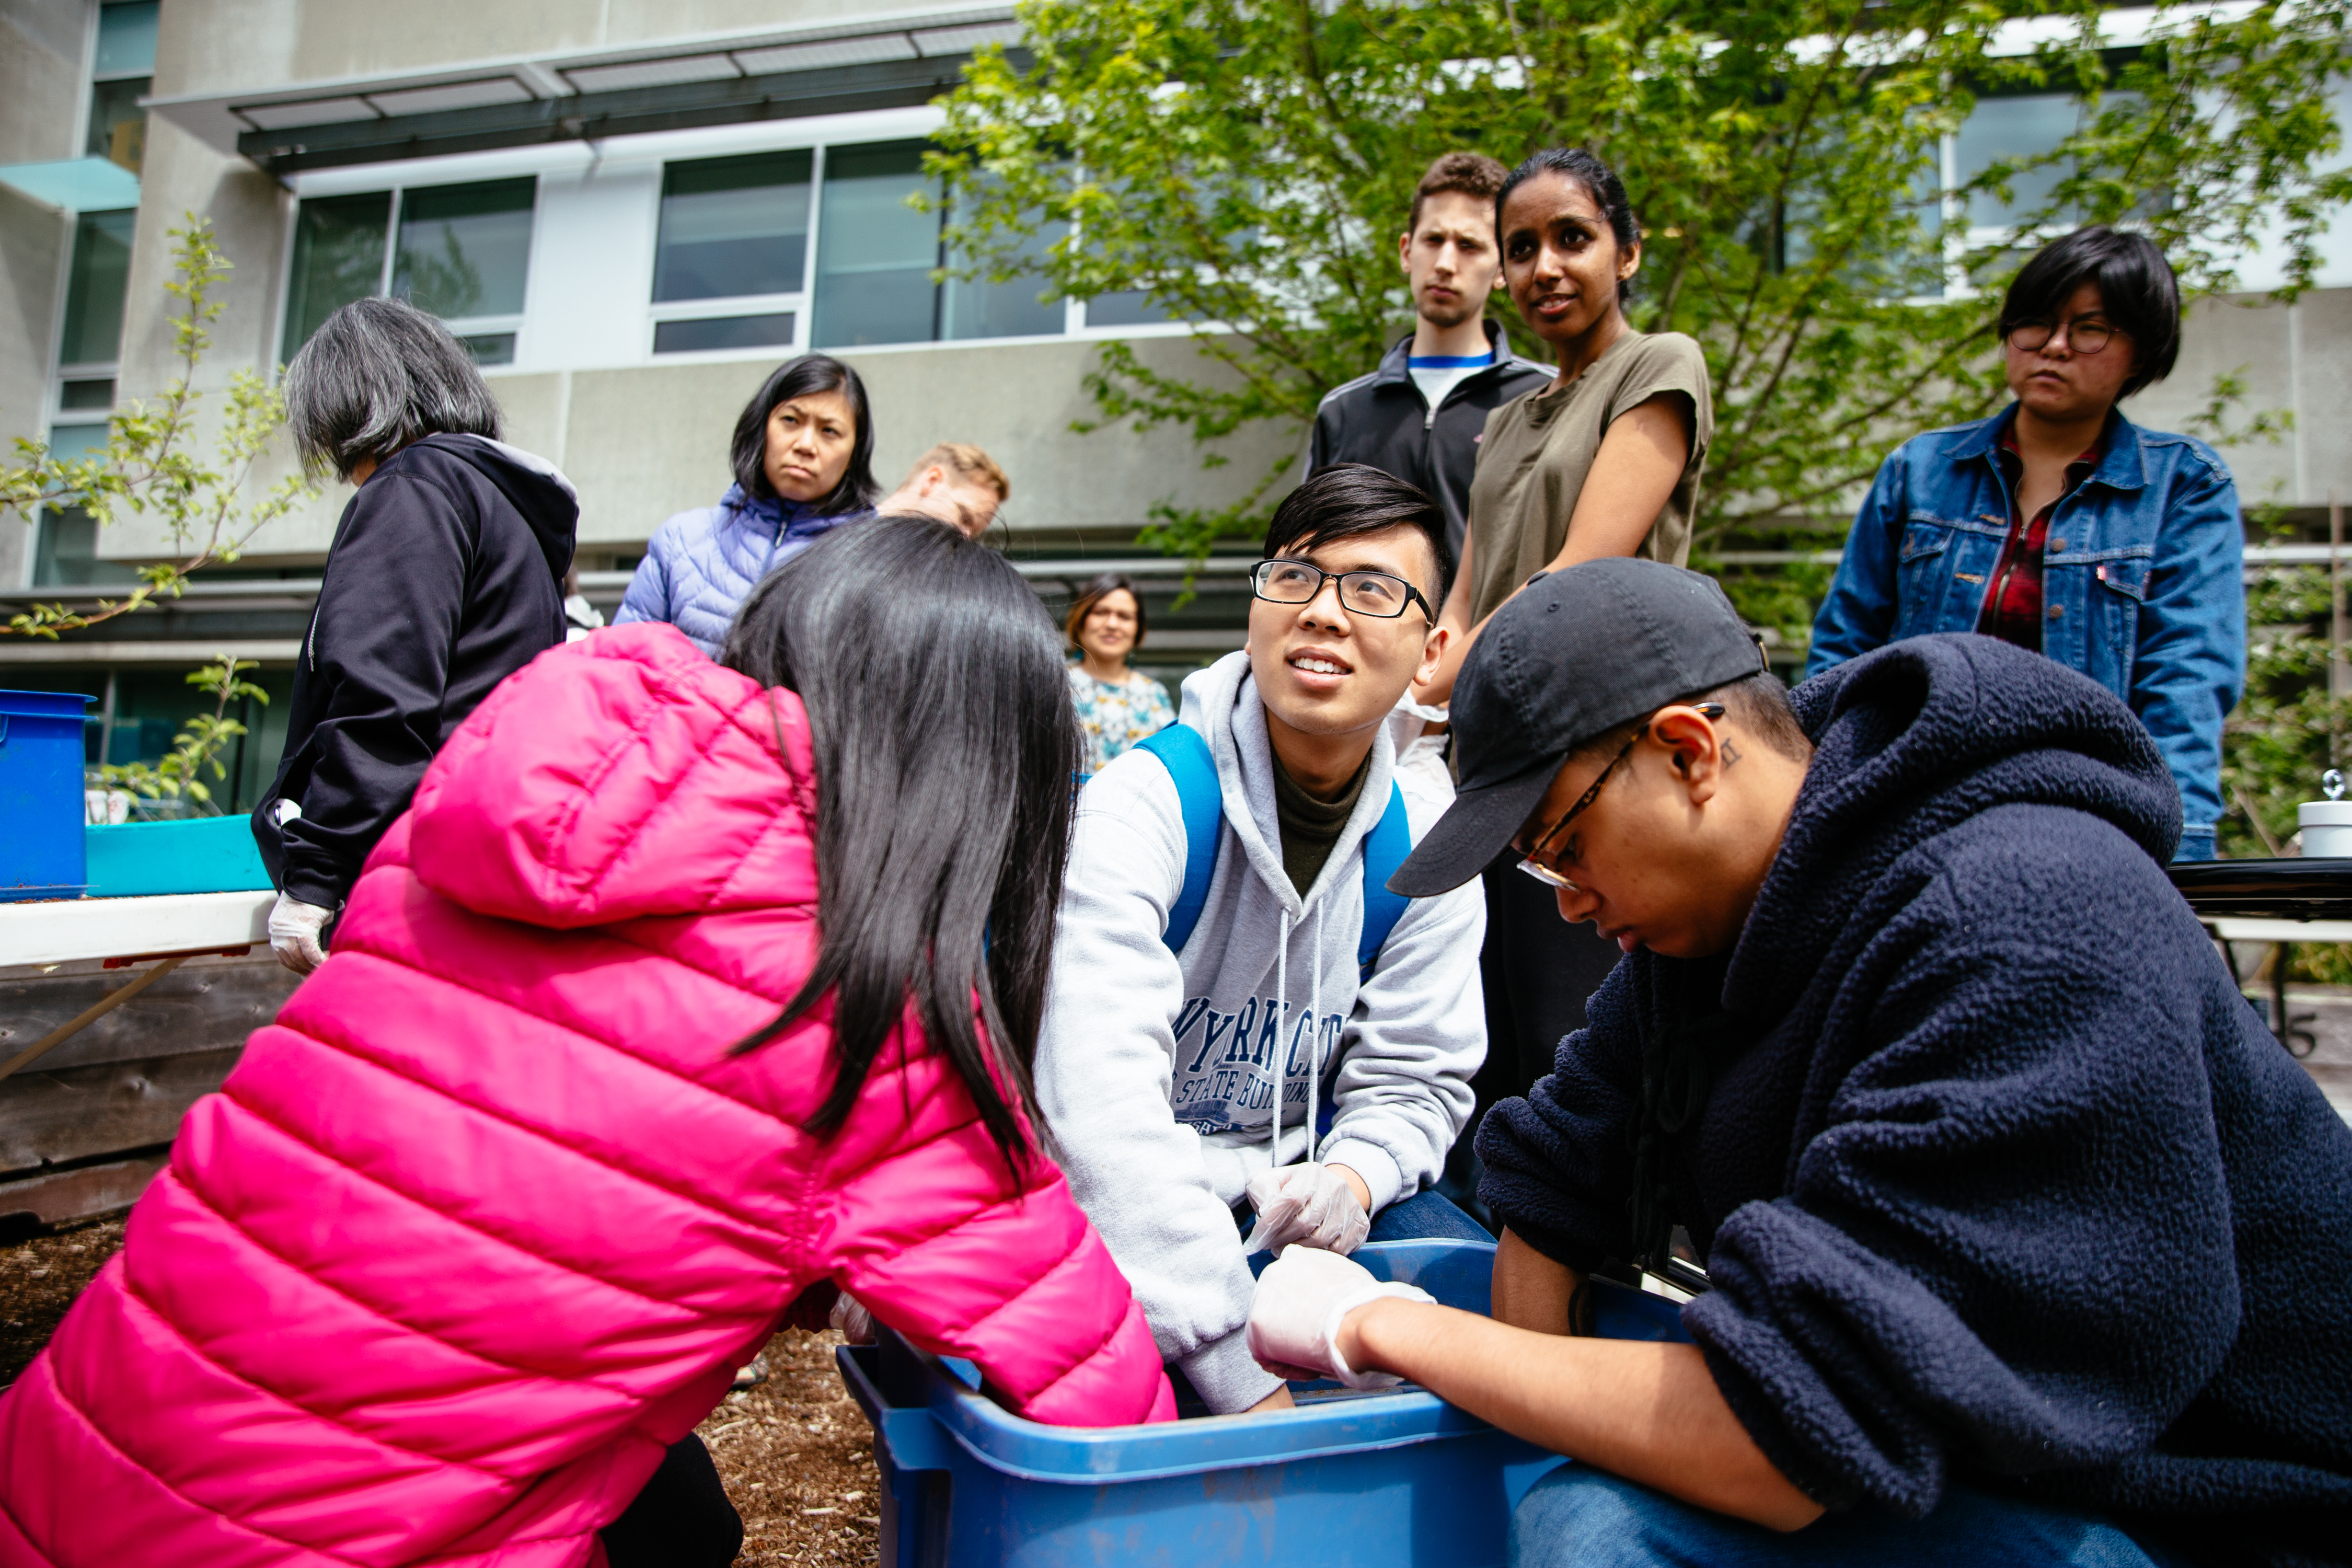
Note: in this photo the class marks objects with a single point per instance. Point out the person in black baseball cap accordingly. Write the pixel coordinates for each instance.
(2019, 1238)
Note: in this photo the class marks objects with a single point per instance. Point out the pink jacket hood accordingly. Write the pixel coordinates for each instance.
(649, 786)
(489, 1216)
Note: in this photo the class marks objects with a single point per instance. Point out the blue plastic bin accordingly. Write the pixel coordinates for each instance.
(1395, 1479)
(192, 855)
(41, 795)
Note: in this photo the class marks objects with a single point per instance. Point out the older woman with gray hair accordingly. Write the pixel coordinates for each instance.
(444, 577)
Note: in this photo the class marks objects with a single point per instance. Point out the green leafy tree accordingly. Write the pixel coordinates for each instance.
(195, 750)
(1247, 164)
(151, 462)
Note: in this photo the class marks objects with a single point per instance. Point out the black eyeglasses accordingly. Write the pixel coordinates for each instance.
(1533, 865)
(1379, 593)
(2085, 338)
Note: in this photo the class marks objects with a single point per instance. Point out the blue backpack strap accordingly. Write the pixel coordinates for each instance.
(1385, 847)
(1185, 755)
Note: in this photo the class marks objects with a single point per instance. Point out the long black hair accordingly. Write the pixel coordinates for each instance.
(798, 378)
(1600, 182)
(945, 743)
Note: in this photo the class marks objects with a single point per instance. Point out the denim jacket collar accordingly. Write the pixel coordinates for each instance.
(2123, 467)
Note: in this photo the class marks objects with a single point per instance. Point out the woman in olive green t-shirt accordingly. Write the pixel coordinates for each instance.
(1606, 459)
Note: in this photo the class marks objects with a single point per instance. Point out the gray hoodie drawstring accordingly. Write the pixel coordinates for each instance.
(1281, 1057)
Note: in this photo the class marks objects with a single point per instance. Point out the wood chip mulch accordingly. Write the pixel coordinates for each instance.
(796, 1455)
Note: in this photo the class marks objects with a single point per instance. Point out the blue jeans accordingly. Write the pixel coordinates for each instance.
(1425, 1217)
(1577, 1516)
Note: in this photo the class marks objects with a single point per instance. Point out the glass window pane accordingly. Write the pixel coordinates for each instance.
(338, 258)
(733, 225)
(489, 348)
(875, 253)
(126, 38)
(1131, 307)
(87, 394)
(118, 126)
(1018, 308)
(723, 333)
(464, 250)
(2008, 130)
(101, 272)
(66, 553)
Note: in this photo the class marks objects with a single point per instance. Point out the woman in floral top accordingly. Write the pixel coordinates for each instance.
(1117, 706)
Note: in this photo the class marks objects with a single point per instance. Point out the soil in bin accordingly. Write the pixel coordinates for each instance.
(795, 1454)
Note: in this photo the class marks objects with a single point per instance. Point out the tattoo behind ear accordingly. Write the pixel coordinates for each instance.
(1730, 754)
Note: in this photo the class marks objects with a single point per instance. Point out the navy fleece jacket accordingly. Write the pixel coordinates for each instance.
(2010, 1183)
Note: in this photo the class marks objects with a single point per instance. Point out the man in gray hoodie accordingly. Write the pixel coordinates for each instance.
(1261, 1040)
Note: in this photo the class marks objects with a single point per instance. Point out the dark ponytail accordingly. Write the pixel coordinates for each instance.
(945, 743)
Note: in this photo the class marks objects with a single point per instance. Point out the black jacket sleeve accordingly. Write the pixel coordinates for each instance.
(390, 605)
(1559, 1164)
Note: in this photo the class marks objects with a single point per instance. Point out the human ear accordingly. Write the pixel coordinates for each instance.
(1695, 750)
(1433, 651)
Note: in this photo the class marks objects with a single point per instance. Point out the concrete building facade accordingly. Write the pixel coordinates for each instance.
(631, 210)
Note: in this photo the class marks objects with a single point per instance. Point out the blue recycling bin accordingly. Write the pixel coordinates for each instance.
(41, 852)
(1390, 1480)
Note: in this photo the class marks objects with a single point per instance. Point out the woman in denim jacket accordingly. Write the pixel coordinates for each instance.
(2061, 526)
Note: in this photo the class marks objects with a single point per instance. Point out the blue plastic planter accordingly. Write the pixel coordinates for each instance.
(192, 855)
(1398, 1479)
(41, 795)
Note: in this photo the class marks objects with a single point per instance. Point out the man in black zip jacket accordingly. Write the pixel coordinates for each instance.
(1420, 415)
(2028, 1243)
(444, 577)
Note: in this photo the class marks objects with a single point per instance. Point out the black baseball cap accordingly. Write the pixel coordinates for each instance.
(1574, 655)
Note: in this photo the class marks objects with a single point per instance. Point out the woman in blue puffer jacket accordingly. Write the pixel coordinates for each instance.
(804, 452)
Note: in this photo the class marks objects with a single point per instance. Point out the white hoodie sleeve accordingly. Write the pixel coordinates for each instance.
(1417, 1035)
(1103, 1073)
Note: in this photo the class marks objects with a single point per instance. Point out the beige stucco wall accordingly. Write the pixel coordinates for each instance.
(215, 46)
(42, 45)
(2294, 359)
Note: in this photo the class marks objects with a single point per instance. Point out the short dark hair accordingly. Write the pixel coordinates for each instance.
(1470, 174)
(1600, 182)
(377, 375)
(944, 745)
(1757, 703)
(2136, 289)
(1348, 500)
(1107, 583)
(798, 378)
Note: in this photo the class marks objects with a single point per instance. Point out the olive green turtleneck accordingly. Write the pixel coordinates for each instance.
(1310, 827)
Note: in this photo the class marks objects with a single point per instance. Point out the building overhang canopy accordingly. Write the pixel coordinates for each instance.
(876, 61)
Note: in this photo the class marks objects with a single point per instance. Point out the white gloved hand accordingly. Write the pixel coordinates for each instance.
(1302, 1299)
(294, 928)
(849, 1315)
(1311, 1204)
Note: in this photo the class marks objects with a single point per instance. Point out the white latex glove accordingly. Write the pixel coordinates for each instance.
(294, 928)
(1302, 1299)
(849, 1315)
(1311, 1204)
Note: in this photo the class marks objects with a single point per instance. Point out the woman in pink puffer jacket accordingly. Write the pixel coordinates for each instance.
(486, 1221)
